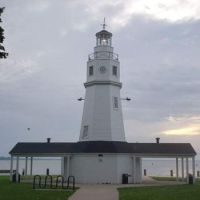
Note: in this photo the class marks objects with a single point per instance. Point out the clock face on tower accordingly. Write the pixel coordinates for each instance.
(102, 69)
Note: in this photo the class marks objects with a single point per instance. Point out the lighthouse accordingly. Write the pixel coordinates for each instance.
(102, 118)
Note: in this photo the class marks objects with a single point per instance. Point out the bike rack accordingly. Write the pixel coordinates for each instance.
(45, 181)
(62, 181)
(34, 181)
(73, 182)
(71, 179)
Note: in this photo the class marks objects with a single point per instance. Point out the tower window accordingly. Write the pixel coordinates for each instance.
(91, 70)
(114, 70)
(85, 131)
(104, 42)
(115, 102)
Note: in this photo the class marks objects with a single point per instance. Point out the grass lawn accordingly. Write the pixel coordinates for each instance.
(22, 191)
(167, 178)
(179, 192)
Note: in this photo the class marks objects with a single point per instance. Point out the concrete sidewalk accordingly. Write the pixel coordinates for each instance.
(96, 192)
(109, 192)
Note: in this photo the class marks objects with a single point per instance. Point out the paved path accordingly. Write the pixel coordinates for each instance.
(96, 192)
(109, 192)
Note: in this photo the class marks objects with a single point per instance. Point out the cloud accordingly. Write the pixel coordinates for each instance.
(171, 10)
(189, 131)
(173, 129)
(11, 70)
(162, 78)
(183, 125)
(48, 44)
(184, 119)
(120, 13)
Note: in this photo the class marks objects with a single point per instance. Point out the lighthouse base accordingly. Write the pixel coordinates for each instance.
(102, 168)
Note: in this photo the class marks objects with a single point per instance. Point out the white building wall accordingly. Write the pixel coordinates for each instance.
(117, 125)
(96, 114)
(107, 76)
(124, 163)
(103, 120)
(91, 168)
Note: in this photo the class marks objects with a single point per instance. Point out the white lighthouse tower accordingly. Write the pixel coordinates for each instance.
(102, 114)
(102, 154)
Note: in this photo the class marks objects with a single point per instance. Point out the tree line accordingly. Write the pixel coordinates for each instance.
(3, 53)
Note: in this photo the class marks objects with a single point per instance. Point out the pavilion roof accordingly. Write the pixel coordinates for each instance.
(61, 148)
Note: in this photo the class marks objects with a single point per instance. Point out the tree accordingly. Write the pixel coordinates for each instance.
(3, 53)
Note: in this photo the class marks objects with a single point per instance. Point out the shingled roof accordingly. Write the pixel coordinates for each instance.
(48, 149)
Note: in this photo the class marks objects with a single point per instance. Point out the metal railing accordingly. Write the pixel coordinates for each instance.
(103, 55)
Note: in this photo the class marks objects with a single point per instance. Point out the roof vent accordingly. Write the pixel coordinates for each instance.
(48, 140)
(157, 140)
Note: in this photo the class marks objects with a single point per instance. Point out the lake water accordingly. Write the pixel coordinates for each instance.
(154, 167)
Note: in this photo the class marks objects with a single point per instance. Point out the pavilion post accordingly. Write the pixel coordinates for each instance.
(182, 164)
(26, 166)
(11, 167)
(134, 169)
(31, 166)
(63, 166)
(187, 170)
(17, 169)
(68, 165)
(177, 168)
(140, 165)
(193, 168)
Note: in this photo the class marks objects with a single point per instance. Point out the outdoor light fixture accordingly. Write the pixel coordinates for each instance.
(80, 99)
(126, 99)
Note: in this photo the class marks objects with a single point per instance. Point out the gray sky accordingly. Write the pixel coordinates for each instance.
(48, 43)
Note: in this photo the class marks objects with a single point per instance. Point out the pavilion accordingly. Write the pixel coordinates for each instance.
(102, 149)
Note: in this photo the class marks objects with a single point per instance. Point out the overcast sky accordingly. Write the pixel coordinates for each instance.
(48, 41)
